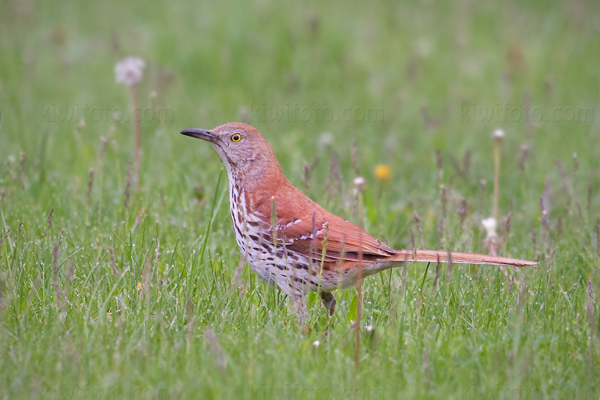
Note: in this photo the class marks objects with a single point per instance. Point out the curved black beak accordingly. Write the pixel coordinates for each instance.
(203, 134)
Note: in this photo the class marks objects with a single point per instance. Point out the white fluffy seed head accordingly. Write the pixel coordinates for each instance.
(490, 226)
(130, 71)
(359, 184)
(498, 134)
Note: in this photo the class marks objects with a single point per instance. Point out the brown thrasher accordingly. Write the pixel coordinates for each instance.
(293, 242)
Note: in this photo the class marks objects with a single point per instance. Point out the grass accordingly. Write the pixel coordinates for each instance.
(107, 293)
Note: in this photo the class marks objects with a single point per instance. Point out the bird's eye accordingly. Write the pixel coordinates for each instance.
(236, 137)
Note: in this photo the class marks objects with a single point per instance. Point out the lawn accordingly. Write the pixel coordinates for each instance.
(111, 292)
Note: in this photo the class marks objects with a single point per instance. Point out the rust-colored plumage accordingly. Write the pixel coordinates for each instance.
(290, 240)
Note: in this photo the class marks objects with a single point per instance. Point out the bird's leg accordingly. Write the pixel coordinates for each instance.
(328, 302)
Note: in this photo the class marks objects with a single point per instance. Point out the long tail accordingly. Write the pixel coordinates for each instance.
(459, 258)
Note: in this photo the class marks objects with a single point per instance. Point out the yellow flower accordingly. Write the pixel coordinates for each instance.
(140, 285)
(383, 172)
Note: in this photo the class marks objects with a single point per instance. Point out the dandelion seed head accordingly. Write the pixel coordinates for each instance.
(498, 134)
(490, 226)
(326, 139)
(359, 184)
(130, 71)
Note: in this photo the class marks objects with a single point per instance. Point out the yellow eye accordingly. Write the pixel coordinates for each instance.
(236, 137)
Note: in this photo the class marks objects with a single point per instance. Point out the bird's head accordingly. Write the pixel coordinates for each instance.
(241, 147)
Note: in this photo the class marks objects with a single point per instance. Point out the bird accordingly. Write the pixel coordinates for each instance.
(291, 241)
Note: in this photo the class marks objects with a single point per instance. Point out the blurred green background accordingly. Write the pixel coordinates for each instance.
(109, 293)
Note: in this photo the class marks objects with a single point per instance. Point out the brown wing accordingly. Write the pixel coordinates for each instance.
(308, 229)
(327, 237)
